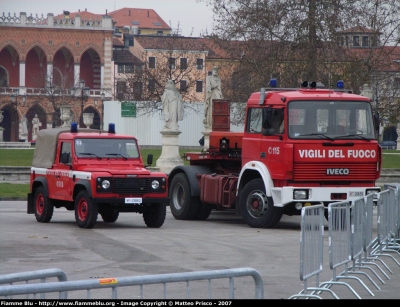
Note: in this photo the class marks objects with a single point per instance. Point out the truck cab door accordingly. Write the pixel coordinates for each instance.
(271, 147)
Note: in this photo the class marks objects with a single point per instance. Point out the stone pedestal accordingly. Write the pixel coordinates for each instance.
(88, 119)
(206, 140)
(170, 151)
(66, 115)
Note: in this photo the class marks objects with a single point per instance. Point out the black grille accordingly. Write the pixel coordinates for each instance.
(131, 185)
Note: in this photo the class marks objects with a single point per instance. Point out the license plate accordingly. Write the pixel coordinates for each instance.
(356, 194)
(133, 200)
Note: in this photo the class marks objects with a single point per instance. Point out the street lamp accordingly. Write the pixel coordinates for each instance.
(85, 93)
(15, 102)
(103, 98)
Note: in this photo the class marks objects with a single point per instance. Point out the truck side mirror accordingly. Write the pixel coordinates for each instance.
(267, 131)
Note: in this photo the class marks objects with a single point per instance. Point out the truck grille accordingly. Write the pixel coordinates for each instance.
(318, 172)
(131, 185)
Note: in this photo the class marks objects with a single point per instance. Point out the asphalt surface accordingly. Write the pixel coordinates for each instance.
(128, 248)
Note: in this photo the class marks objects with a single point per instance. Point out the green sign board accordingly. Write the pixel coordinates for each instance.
(128, 109)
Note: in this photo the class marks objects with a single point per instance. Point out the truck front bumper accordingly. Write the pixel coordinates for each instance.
(287, 195)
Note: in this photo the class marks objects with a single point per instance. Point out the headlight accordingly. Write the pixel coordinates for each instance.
(105, 184)
(300, 194)
(155, 184)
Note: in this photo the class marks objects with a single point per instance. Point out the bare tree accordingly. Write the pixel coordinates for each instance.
(295, 40)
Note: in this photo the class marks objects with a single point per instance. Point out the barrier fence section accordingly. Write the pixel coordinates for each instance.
(114, 284)
(359, 221)
(385, 242)
(340, 244)
(311, 251)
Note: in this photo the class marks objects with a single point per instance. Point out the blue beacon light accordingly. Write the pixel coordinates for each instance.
(340, 84)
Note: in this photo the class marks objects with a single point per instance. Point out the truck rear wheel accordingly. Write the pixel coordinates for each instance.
(44, 207)
(154, 215)
(183, 206)
(85, 210)
(256, 208)
(204, 212)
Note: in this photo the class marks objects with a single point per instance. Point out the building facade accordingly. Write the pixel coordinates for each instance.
(42, 64)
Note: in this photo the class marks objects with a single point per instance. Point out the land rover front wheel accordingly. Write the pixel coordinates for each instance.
(154, 215)
(256, 208)
(85, 210)
(44, 207)
(183, 206)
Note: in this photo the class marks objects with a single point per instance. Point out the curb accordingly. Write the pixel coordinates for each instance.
(12, 198)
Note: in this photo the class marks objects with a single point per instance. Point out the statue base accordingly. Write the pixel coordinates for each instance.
(170, 151)
(206, 145)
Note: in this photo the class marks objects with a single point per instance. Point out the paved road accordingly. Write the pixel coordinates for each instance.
(129, 248)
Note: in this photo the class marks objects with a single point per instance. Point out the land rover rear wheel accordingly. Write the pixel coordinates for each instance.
(44, 207)
(183, 206)
(256, 208)
(85, 210)
(154, 215)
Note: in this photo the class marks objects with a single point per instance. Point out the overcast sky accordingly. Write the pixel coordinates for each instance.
(190, 14)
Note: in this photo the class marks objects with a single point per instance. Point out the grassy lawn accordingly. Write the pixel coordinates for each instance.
(23, 157)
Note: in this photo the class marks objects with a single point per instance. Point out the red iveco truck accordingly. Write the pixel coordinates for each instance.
(94, 172)
(299, 147)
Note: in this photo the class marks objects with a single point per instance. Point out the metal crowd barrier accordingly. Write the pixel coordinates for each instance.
(114, 284)
(351, 242)
(29, 276)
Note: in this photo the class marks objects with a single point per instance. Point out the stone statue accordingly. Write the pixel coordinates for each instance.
(35, 125)
(24, 125)
(213, 91)
(172, 106)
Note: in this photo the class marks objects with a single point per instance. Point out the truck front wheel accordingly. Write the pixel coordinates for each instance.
(44, 207)
(183, 206)
(154, 215)
(256, 208)
(85, 210)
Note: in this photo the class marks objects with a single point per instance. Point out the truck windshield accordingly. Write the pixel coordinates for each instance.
(330, 120)
(106, 148)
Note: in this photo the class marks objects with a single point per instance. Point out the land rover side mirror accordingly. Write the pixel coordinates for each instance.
(149, 160)
(65, 158)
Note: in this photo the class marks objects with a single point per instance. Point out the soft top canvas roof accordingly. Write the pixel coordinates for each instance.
(46, 145)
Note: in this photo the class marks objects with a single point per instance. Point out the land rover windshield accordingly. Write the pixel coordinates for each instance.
(106, 148)
(331, 120)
